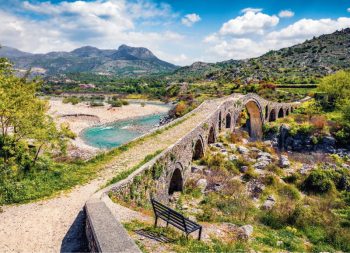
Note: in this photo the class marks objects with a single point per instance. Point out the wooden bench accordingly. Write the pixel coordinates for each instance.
(174, 218)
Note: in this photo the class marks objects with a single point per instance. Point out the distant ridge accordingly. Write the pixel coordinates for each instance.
(302, 63)
(125, 61)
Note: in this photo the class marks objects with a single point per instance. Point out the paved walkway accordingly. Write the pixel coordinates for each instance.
(57, 224)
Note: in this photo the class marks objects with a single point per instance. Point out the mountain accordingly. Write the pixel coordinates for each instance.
(126, 61)
(302, 63)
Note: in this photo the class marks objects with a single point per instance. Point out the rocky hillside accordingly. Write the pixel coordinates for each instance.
(125, 61)
(302, 63)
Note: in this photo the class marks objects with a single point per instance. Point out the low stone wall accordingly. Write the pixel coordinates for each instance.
(153, 179)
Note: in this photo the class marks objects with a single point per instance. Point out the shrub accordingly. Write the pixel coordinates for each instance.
(116, 103)
(94, 104)
(318, 121)
(73, 100)
(318, 181)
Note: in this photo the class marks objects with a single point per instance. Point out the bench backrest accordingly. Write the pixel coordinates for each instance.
(173, 217)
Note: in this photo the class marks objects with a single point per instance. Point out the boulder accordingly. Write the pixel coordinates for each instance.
(197, 168)
(218, 145)
(264, 154)
(245, 232)
(346, 166)
(284, 161)
(233, 158)
(269, 203)
(244, 141)
(268, 143)
(202, 184)
(255, 187)
(243, 169)
(217, 187)
(261, 164)
(207, 172)
(305, 168)
(242, 150)
(233, 147)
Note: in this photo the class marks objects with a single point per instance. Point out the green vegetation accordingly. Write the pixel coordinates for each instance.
(310, 212)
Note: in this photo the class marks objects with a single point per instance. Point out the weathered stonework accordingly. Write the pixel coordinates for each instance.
(169, 171)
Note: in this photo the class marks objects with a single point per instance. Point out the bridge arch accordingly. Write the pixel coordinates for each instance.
(211, 135)
(280, 113)
(220, 121)
(272, 116)
(176, 181)
(255, 121)
(287, 112)
(198, 149)
(228, 120)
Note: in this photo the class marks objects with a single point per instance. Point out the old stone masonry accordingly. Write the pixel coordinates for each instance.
(168, 171)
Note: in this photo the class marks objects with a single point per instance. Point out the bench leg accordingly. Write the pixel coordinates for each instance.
(199, 234)
(155, 222)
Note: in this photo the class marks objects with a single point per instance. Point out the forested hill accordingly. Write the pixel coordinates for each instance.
(126, 61)
(302, 63)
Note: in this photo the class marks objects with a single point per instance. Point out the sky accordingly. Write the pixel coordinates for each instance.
(178, 31)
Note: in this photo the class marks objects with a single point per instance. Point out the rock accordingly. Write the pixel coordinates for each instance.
(233, 147)
(207, 172)
(328, 141)
(279, 243)
(223, 151)
(219, 145)
(264, 154)
(244, 141)
(217, 187)
(284, 161)
(269, 203)
(202, 184)
(233, 158)
(268, 143)
(255, 188)
(197, 168)
(243, 169)
(283, 135)
(245, 232)
(305, 168)
(346, 166)
(242, 150)
(261, 164)
(174, 197)
(255, 149)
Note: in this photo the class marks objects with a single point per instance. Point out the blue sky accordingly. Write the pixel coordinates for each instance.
(179, 31)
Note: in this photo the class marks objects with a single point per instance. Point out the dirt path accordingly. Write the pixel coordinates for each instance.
(57, 224)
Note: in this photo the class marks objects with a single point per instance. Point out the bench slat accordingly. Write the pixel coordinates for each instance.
(174, 218)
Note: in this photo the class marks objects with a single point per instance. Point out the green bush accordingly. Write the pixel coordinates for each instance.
(318, 181)
(73, 100)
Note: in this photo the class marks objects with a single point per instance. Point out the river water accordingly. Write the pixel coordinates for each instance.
(115, 134)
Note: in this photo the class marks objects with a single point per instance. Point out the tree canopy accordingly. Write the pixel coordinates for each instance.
(25, 128)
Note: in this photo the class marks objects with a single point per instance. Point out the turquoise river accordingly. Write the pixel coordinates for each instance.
(115, 134)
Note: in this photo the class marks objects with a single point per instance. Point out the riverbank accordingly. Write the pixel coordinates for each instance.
(82, 116)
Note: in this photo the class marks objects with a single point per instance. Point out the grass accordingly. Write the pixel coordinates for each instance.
(124, 174)
(179, 243)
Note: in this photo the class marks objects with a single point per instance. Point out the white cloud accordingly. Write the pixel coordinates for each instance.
(190, 19)
(348, 9)
(251, 10)
(286, 14)
(227, 47)
(306, 28)
(250, 22)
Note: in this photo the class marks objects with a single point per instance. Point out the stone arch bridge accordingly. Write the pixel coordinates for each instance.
(168, 171)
